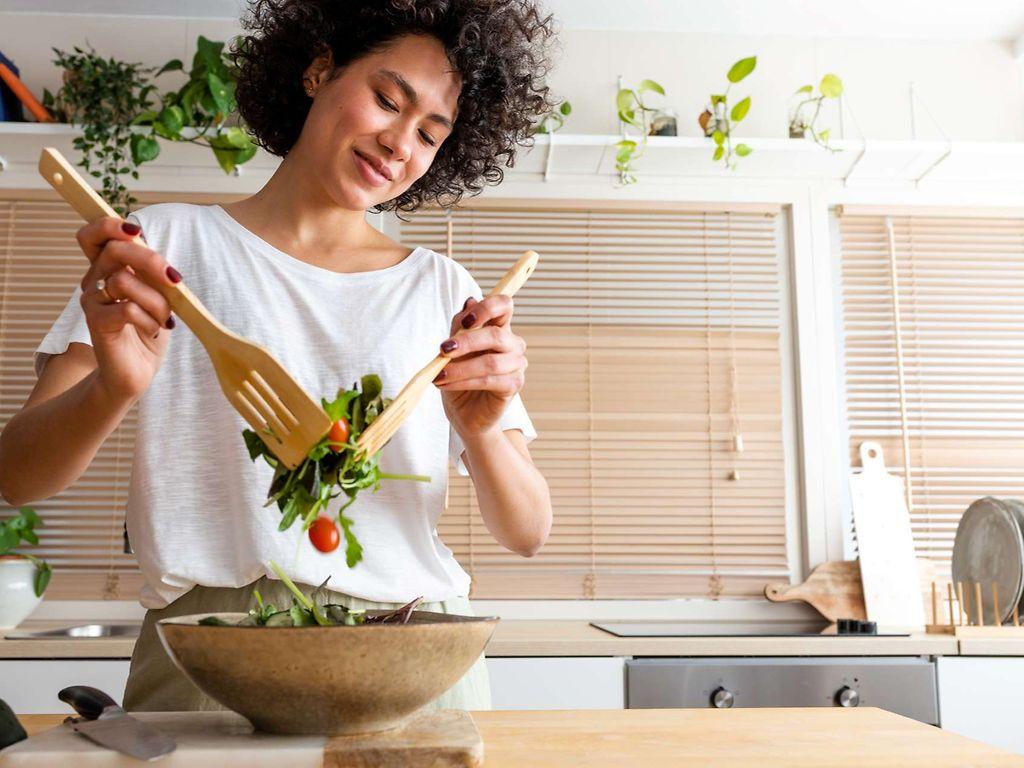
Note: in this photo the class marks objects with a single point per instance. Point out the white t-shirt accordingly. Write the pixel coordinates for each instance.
(195, 505)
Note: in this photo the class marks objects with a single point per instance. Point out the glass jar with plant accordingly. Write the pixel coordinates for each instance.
(199, 112)
(23, 577)
(103, 96)
(553, 121)
(718, 119)
(634, 112)
(831, 87)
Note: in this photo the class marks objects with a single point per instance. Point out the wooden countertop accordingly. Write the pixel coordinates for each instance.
(520, 637)
(700, 737)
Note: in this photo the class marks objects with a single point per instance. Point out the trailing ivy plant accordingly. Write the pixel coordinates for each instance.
(718, 119)
(635, 112)
(102, 96)
(831, 87)
(553, 121)
(20, 528)
(199, 111)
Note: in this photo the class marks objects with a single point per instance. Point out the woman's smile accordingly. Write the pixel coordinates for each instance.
(369, 171)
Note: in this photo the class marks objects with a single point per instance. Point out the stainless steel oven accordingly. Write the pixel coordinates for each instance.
(904, 685)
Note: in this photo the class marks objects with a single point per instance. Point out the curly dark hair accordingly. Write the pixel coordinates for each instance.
(499, 48)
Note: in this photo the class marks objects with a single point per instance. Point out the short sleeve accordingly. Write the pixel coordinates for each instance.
(515, 417)
(69, 327)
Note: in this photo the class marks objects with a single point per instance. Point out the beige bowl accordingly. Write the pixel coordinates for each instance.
(327, 680)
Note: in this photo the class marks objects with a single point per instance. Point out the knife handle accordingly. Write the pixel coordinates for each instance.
(87, 701)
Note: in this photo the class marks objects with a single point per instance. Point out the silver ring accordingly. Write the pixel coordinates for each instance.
(101, 288)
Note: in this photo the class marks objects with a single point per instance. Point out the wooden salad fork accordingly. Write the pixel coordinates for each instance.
(383, 428)
(276, 406)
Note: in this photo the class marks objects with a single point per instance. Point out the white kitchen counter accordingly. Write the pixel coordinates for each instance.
(533, 638)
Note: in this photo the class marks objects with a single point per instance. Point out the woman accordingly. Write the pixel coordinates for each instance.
(372, 105)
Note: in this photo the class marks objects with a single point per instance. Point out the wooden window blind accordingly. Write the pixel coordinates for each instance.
(955, 428)
(655, 385)
(82, 533)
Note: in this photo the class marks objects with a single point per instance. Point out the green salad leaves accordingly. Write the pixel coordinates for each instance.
(335, 466)
(310, 611)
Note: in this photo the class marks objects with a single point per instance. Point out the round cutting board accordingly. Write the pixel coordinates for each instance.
(989, 547)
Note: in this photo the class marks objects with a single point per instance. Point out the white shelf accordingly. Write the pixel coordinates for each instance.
(579, 158)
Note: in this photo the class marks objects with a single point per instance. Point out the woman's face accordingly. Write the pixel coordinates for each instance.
(375, 126)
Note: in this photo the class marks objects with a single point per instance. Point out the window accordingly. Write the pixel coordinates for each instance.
(942, 389)
(655, 384)
(82, 533)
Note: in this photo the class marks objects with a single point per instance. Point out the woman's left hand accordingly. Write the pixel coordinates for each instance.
(488, 365)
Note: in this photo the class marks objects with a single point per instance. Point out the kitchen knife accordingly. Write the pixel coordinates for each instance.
(105, 723)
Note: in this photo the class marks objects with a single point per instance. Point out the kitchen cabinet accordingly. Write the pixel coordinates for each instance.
(982, 697)
(557, 683)
(31, 685)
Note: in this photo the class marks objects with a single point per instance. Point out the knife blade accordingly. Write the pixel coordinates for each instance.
(105, 723)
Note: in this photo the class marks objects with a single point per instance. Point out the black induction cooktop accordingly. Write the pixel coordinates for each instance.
(674, 628)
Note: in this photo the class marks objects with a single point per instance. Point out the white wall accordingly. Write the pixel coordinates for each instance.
(973, 88)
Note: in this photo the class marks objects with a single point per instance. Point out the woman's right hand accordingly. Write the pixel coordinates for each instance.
(126, 321)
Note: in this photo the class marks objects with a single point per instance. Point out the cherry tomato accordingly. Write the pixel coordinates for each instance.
(338, 435)
(324, 534)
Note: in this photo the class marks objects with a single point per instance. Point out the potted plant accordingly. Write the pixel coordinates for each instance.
(831, 87)
(23, 577)
(200, 112)
(718, 119)
(103, 96)
(111, 100)
(635, 112)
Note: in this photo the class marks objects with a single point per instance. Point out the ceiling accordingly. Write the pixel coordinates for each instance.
(922, 19)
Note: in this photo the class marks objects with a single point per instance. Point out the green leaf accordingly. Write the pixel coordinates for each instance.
(740, 110)
(144, 148)
(717, 98)
(42, 577)
(9, 539)
(624, 100)
(823, 135)
(254, 444)
(719, 151)
(650, 85)
(144, 118)
(208, 53)
(741, 69)
(718, 137)
(353, 549)
(170, 66)
(173, 119)
(371, 387)
(236, 137)
(804, 89)
(566, 108)
(743, 150)
(831, 86)
(219, 93)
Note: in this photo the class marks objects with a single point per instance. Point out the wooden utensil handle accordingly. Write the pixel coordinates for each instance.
(517, 275)
(62, 176)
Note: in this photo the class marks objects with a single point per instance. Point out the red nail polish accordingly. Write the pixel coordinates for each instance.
(448, 346)
(130, 229)
(173, 275)
(170, 322)
(465, 304)
(440, 376)
(468, 320)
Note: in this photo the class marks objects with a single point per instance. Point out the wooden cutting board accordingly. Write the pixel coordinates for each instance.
(835, 590)
(437, 738)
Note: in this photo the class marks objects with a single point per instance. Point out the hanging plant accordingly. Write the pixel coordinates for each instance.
(199, 112)
(102, 96)
(553, 121)
(831, 87)
(718, 119)
(633, 111)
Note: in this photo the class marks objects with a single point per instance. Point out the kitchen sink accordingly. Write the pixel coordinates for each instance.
(81, 630)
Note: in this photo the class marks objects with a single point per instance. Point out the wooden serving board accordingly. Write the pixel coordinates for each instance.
(835, 590)
(435, 738)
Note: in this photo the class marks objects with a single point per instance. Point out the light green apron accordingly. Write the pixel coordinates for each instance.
(156, 685)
